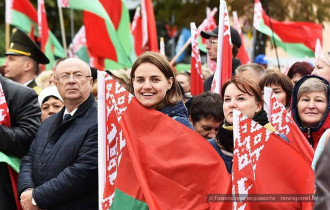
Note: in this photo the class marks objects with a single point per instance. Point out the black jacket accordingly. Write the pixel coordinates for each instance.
(25, 119)
(61, 164)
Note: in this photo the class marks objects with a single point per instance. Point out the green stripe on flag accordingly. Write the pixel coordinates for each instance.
(122, 201)
(295, 49)
(10, 160)
(22, 21)
(2, 60)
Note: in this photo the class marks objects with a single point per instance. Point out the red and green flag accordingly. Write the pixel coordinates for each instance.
(107, 35)
(242, 54)
(296, 38)
(268, 173)
(148, 160)
(46, 45)
(21, 13)
(196, 80)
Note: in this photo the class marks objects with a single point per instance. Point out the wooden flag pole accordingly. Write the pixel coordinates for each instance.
(181, 51)
(62, 29)
(7, 35)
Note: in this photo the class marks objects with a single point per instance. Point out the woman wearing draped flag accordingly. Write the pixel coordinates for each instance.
(154, 85)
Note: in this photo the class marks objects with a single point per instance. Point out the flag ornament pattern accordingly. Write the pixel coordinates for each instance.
(196, 64)
(284, 124)
(115, 142)
(260, 159)
(250, 138)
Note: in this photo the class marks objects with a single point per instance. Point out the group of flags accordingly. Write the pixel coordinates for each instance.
(147, 160)
(106, 23)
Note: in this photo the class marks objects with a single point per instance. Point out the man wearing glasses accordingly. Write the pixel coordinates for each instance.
(60, 170)
(212, 49)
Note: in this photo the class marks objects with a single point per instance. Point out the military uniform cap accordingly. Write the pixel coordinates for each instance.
(22, 44)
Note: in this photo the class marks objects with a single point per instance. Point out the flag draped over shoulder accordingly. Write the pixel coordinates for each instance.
(242, 54)
(196, 80)
(266, 165)
(148, 160)
(224, 56)
(284, 124)
(296, 38)
(21, 13)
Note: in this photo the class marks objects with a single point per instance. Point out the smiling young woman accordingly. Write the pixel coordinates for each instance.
(154, 85)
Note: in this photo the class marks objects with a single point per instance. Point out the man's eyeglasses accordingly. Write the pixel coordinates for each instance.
(211, 41)
(75, 76)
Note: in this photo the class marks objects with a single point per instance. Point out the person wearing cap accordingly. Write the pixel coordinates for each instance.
(121, 76)
(60, 169)
(212, 48)
(19, 122)
(261, 60)
(22, 60)
(50, 102)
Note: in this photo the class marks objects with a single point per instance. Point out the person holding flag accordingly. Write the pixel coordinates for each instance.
(244, 95)
(212, 48)
(22, 60)
(154, 85)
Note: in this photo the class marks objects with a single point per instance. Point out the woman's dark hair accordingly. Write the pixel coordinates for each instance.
(246, 86)
(172, 95)
(278, 78)
(302, 68)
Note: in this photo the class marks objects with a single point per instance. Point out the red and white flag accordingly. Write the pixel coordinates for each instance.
(242, 54)
(196, 80)
(318, 48)
(284, 124)
(224, 55)
(137, 32)
(149, 160)
(266, 166)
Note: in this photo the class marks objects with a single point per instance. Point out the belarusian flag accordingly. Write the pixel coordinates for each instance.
(266, 166)
(149, 160)
(196, 81)
(284, 124)
(242, 54)
(21, 13)
(46, 45)
(78, 47)
(224, 56)
(136, 31)
(149, 29)
(296, 38)
(104, 27)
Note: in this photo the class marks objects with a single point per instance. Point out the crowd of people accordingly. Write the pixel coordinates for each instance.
(53, 127)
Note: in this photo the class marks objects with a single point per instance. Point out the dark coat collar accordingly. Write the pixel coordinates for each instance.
(57, 123)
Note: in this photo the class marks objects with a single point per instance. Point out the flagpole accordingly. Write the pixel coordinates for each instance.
(273, 38)
(181, 51)
(62, 29)
(7, 35)
(72, 24)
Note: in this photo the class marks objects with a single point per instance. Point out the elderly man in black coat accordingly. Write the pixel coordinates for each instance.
(24, 116)
(60, 169)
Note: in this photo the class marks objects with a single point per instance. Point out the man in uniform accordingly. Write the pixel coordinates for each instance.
(22, 60)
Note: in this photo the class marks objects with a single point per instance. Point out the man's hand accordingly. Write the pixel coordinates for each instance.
(26, 200)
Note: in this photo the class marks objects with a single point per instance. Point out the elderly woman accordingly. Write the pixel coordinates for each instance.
(50, 102)
(244, 95)
(310, 107)
(322, 66)
(281, 86)
(154, 85)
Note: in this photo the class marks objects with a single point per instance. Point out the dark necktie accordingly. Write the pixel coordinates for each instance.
(66, 117)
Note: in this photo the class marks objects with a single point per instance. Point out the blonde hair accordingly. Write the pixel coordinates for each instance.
(43, 78)
(312, 85)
